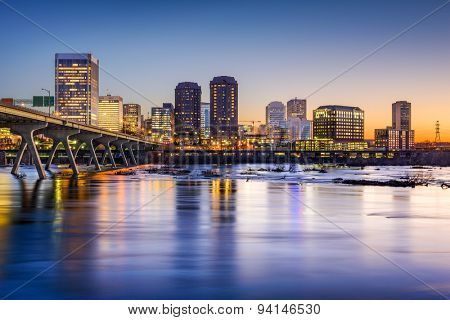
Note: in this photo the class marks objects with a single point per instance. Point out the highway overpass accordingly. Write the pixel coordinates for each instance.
(28, 123)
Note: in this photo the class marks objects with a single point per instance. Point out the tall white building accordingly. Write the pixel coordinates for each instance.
(275, 114)
(276, 119)
(110, 113)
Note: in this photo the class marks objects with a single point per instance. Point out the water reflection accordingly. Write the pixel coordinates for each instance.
(146, 237)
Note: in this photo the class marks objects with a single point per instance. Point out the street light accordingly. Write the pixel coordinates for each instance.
(48, 91)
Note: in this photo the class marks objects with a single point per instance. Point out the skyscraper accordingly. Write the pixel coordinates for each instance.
(296, 108)
(205, 120)
(275, 118)
(401, 115)
(162, 123)
(132, 118)
(339, 123)
(110, 113)
(187, 112)
(76, 87)
(224, 107)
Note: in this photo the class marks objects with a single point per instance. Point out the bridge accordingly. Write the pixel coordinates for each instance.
(27, 123)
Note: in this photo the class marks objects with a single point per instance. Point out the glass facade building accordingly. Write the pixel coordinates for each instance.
(339, 123)
(224, 107)
(76, 87)
(110, 113)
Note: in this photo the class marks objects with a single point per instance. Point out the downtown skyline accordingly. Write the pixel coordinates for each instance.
(267, 69)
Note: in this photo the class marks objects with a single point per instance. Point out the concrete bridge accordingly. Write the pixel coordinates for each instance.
(27, 123)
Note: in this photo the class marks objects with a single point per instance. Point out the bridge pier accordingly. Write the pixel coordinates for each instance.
(105, 141)
(119, 146)
(88, 138)
(26, 131)
(129, 146)
(62, 136)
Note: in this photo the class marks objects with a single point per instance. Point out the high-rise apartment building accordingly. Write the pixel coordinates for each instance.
(224, 107)
(110, 113)
(162, 123)
(187, 112)
(401, 115)
(132, 118)
(339, 123)
(296, 108)
(76, 87)
(205, 120)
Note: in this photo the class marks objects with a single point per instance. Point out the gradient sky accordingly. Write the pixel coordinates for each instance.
(276, 50)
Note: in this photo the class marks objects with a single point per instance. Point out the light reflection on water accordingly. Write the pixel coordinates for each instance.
(220, 238)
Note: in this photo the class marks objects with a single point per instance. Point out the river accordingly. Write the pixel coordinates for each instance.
(269, 236)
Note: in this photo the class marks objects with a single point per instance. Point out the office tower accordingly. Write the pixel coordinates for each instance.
(224, 107)
(394, 139)
(399, 136)
(296, 108)
(275, 119)
(187, 112)
(339, 123)
(299, 129)
(76, 87)
(401, 115)
(110, 113)
(163, 123)
(132, 118)
(205, 120)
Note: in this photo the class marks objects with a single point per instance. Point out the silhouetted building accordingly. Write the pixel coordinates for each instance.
(224, 107)
(401, 115)
(110, 113)
(76, 87)
(296, 108)
(187, 112)
(132, 118)
(339, 123)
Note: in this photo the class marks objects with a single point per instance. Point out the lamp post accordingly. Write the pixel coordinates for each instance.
(48, 91)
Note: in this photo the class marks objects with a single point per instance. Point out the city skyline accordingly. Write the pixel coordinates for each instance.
(420, 77)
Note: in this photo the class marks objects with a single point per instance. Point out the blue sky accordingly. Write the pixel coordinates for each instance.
(276, 50)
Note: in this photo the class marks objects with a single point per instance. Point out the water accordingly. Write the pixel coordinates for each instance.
(147, 236)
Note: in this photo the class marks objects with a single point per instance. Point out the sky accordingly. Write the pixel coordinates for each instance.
(276, 50)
